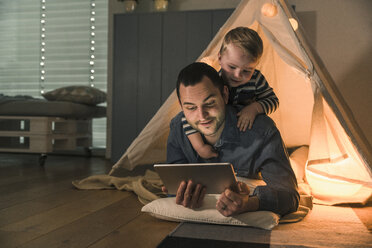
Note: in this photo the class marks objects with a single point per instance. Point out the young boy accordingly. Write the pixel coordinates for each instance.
(249, 91)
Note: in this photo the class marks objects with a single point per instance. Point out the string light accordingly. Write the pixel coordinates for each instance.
(129, 5)
(92, 42)
(42, 46)
(42, 61)
(161, 5)
(294, 23)
(269, 9)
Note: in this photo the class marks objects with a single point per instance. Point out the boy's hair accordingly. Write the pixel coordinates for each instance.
(245, 38)
(194, 73)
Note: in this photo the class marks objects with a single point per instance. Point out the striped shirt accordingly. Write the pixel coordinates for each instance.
(187, 128)
(256, 89)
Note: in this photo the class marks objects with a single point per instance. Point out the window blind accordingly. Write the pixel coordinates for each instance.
(68, 48)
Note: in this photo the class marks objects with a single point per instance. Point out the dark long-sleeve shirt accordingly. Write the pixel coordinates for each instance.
(259, 150)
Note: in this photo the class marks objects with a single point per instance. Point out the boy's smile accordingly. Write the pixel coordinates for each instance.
(237, 67)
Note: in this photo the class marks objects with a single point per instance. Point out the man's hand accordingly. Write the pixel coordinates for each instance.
(247, 115)
(231, 203)
(190, 195)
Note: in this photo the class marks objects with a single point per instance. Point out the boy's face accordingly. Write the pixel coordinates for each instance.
(237, 67)
(204, 107)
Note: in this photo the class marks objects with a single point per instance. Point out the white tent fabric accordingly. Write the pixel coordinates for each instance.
(311, 112)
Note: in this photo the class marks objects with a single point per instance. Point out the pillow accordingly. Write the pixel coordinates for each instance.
(167, 209)
(298, 162)
(78, 94)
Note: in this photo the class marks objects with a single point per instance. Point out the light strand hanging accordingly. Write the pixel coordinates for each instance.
(42, 47)
(92, 42)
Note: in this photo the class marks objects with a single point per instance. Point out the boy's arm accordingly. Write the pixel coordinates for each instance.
(204, 150)
(266, 102)
(265, 95)
(175, 154)
(248, 114)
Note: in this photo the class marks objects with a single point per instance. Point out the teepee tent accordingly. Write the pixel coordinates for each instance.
(312, 112)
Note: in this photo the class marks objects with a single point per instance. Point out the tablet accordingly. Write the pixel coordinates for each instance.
(216, 177)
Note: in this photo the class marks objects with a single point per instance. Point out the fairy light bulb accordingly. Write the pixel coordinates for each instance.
(269, 10)
(129, 5)
(161, 5)
(294, 23)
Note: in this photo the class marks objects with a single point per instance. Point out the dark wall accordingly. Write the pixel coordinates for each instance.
(149, 51)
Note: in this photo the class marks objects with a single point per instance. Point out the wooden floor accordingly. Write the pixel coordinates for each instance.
(39, 207)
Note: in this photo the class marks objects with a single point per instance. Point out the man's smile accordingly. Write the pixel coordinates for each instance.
(205, 123)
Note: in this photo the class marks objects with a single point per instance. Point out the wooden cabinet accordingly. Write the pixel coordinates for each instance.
(149, 51)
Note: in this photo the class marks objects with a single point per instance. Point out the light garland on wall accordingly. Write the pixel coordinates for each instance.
(42, 46)
(92, 42)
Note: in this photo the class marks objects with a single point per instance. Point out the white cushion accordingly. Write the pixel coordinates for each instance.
(298, 162)
(167, 209)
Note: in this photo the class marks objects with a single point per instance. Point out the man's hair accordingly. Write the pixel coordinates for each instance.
(245, 38)
(194, 73)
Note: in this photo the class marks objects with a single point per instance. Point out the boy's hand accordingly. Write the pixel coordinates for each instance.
(246, 116)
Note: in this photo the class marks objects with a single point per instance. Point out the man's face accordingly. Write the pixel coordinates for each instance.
(237, 67)
(204, 107)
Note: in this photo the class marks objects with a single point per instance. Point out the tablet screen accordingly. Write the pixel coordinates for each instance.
(216, 177)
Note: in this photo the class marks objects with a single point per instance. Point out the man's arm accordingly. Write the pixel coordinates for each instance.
(280, 193)
(266, 155)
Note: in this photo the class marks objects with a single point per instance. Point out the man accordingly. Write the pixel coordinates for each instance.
(253, 153)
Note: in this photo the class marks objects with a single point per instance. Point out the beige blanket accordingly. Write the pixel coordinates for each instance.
(147, 187)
